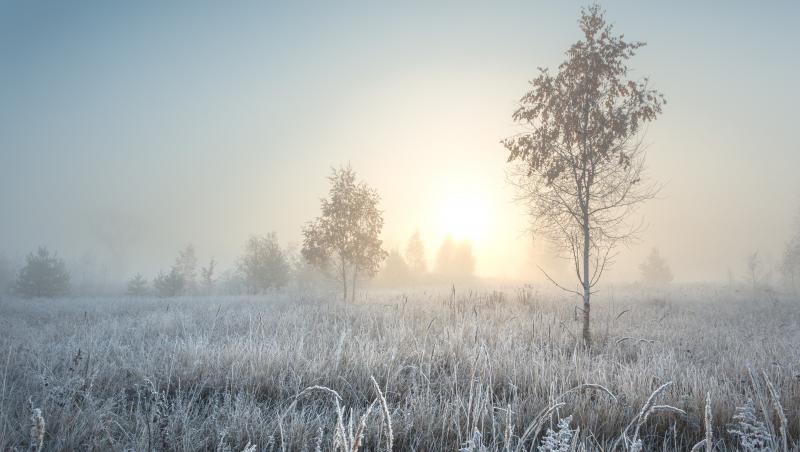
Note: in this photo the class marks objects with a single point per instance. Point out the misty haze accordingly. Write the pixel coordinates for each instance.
(425, 226)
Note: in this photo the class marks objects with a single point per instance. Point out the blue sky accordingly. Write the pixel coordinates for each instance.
(174, 122)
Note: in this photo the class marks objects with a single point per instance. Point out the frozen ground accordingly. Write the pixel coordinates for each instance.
(218, 373)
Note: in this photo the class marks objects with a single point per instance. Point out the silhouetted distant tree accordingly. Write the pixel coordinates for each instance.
(415, 256)
(445, 254)
(464, 259)
(395, 271)
(186, 263)
(231, 282)
(44, 275)
(6, 275)
(264, 265)
(345, 240)
(170, 284)
(655, 269)
(753, 262)
(790, 264)
(581, 163)
(304, 277)
(137, 286)
(207, 276)
(87, 273)
(455, 261)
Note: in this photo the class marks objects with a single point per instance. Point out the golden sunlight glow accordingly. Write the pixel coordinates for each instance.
(464, 216)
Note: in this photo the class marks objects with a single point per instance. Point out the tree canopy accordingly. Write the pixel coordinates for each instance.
(345, 239)
(44, 275)
(655, 270)
(264, 265)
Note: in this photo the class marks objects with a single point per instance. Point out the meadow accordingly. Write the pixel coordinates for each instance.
(419, 370)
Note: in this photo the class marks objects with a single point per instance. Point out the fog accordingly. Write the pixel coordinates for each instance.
(253, 226)
(128, 132)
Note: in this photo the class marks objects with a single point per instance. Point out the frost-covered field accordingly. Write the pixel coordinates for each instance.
(485, 368)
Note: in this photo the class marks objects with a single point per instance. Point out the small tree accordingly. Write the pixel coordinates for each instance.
(44, 275)
(186, 264)
(754, 270)
(6, 275)
(170, 284)
(344, 241)
(395, 271)
(207, 276)
(231, 282)
(264, 265)
(415, 256)
(655, 269)
(455, 261)
(137, 286)
(304, 277)
(790, 264)
(581, 163)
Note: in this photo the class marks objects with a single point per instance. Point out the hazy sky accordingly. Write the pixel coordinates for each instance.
(157, 124)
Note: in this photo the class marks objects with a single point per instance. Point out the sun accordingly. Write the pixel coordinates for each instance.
(464, 216)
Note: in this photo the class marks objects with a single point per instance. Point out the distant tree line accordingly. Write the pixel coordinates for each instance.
(454, 264)
(342, 244)
(263, 266)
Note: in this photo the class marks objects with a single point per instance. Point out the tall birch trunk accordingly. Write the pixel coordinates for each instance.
(353, 286)
(344, 281)
(587, 335)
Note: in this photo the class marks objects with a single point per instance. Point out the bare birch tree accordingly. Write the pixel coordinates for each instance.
(580, 162)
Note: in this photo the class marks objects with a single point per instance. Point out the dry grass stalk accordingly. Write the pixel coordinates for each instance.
(637, 339)
(536, 426)
(385, 406)
(509, 429)
(340, 436)
(318, 388)
(708, 424)
(668, 408)
(647, 408)
(362, 427)
(634, 443)
(758, 393)
(594, 386)
(776, 405)
(697, 447)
